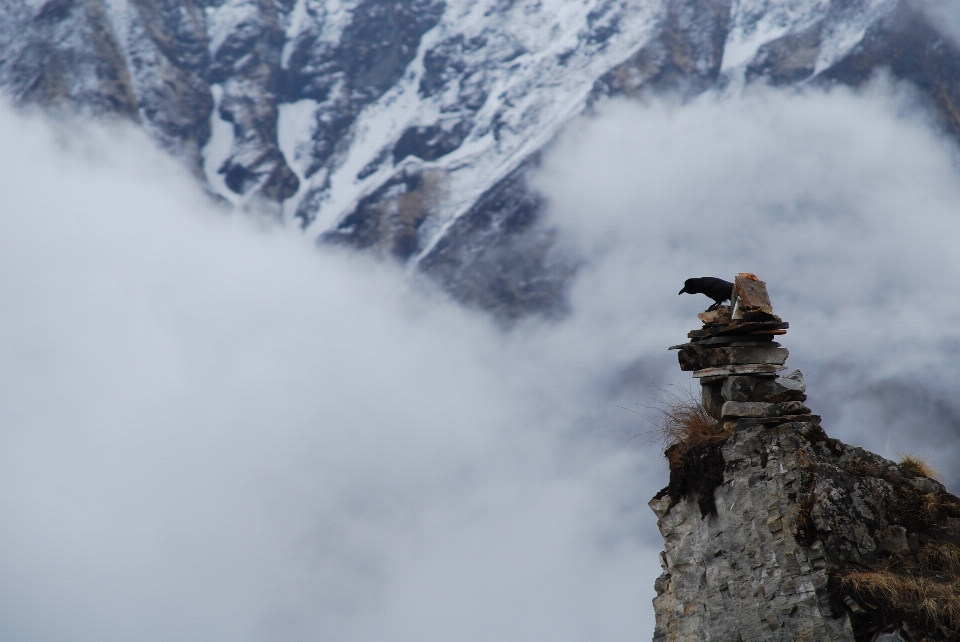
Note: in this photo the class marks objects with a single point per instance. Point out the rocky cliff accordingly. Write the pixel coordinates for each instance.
(774, 531)
(409, 128)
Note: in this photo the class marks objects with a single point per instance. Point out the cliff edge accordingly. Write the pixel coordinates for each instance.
(774, 531)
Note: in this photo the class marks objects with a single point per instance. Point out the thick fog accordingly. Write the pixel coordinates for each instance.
(944, 16)
(212, 430)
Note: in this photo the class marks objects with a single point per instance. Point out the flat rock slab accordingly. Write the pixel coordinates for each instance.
(712, 374)
(792, 382)
(747, 388)
(790, 419)
(733, 339)
(732, 409)
(700, 357)
(720, 316)
(733, 424)
(741, 327)
(762, 410)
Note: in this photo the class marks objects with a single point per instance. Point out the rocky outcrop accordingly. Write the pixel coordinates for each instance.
(774, 531)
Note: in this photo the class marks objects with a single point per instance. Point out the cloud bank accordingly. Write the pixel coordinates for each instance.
(944, 16)
(211, 431)
(844, 202)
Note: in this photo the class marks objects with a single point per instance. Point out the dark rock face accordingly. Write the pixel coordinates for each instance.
(64, 51)
(246, 65)
(684, 58)
(431, 142)
(373, 52)
(446, 63)
(389, 218)
(909, 46)
(500, 258)
(345, 76)
(741, 574)
(168, 59)
(789, 59)
(67, 56)
(796, 513)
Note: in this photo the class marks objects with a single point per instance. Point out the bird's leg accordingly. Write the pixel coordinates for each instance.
(713, 307)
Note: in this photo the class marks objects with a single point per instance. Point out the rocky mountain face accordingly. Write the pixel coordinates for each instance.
(408, 128)
(774, 531)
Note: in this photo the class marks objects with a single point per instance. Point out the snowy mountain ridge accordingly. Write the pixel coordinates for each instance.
(407, 128)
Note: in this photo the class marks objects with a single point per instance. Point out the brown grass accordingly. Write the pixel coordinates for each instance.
(940, 557)
(691, 440)
(918, 465)
(932, 602)
(923, 590)
(684, 425)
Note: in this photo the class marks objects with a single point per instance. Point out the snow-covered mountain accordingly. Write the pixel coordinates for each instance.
(407, 128)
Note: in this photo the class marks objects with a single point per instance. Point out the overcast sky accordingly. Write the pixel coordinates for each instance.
(210, 430)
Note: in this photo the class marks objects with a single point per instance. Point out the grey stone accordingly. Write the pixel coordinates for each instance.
(894, 636)
(694, 357)
(711, 398)
(738, 388)
(734, 339)
(927, 485)
(660, 506)
(747, 409)
(759, 409)
(792, 382)
(894, 539)
(742, 575)
(746, 388)
(713, 374)
(741, 327)
(788, 388)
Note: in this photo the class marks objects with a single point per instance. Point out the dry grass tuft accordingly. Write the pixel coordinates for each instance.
(684, 426)
(933, 602)
(940, 557)
(918, 465)
(691, 440)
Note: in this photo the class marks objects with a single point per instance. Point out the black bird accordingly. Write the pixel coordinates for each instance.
(717, 289)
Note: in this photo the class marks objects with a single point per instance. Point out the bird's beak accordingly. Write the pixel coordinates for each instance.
(683, 290)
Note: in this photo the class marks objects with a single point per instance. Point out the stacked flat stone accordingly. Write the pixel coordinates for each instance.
(741, 575)
(736, 361)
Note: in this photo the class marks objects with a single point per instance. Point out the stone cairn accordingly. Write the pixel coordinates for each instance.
(736, 360)
(777, 532)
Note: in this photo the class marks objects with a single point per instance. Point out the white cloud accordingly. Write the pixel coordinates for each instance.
(944, 16)
(844, 202)
(209, 430)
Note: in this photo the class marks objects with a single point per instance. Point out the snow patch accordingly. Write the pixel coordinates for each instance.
(757, 22)
(843, 35)
(294, 128)
(217, 150)
(532, 91)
